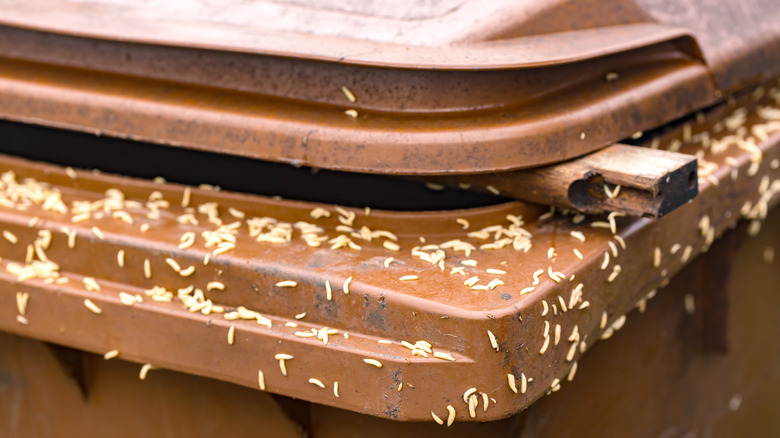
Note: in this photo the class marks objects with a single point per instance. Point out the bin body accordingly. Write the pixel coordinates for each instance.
(655, 377)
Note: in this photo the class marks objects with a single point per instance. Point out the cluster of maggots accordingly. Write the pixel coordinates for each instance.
(223, 237)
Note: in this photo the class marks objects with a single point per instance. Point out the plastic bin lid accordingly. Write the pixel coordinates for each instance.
(413, 87)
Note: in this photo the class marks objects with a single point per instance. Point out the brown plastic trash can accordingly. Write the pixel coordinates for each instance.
(459, 224)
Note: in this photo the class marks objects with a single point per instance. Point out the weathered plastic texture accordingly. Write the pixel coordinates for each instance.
(443, 87)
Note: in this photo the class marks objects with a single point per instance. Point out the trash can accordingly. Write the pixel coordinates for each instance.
(323, 219)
